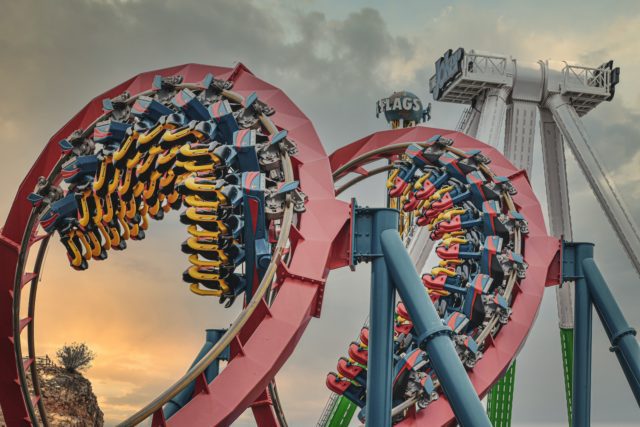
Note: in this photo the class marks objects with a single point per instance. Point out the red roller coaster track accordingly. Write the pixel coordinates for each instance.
(319, 242)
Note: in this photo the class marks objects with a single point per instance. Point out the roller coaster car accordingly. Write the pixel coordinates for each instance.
(210, 277)
(490, 260)
(436, 147)
(473, 306)
(410, 203)
(468, 350)
(415, 154)
(222, 113)
(80, 171)
(165, 161)
(502, 225)
(460, 166)
(44, 193)
(431, 181)
(191, 105)
(429, 393)
(457, 322)
(346, 388)
(269, 154)
(199, 152)
(149, 110)
(276, 198)
(405, 170)
(229, 297)
(127, 149)
(110, 134)
(401, 310)
(517, 221)
(77, 143)
(213, 87)
(228, 227)
(364, 336)
(446, 198)
(497, 304)
(406, 365)
(209, 189)
(207, 248)
(207, 238)
(245, 142)
(511, 261)
(484, 190)
(352, 371)
(404, 341)
(402, 326)
(455, 220)
(61, 216)
(402, 319)
(400, 178)
(118, 107)
(457, 248)
(178, 136)
(443, 279)
(358, 353)
(196, 273)
(257, 107)
(165, 86)
(150, 137)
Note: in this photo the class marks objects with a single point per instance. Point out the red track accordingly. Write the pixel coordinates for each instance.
(318, 244)
(539, 253)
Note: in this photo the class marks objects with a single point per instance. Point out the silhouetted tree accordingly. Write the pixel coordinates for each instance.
(75, 357)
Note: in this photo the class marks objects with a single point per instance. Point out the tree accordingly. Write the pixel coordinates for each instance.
(75, 357)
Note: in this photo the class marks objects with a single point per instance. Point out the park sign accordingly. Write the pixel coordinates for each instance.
(448, 68)
(401, 106)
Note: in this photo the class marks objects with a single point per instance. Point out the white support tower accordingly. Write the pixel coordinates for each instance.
(504, 93)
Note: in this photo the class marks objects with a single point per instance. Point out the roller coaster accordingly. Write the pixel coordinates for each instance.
(258, 196)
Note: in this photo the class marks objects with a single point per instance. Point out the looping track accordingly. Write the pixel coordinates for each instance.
(540, 248)
(264, 335)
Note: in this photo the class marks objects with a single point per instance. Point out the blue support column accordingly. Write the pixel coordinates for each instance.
(621, 335)
(368, 224)
(211, 338)
(433, 335)
(573, 254)
(381, 309)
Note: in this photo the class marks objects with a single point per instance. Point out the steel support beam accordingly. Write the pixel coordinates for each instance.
(573, 254)
(367, 227)
(492, 116)
(558, 203)
(559, 214)
(613, 205)
(471, 127)
(621, 335)
(420, 247)
(211, 338)
(520, 129)
(432, 334)
(519, 135)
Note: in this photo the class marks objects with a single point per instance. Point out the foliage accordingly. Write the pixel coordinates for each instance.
(75, 357)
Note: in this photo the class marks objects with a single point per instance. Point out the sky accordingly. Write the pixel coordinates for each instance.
(334, 59)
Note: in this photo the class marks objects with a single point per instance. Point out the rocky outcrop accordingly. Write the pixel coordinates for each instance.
(68, 398)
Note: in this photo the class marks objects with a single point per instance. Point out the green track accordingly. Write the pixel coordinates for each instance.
(342, 413)
(566, 341)
(500, 399)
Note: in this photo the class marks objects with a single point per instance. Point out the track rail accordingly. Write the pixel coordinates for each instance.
(295, 280)
(503, 347)
(266, 332)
